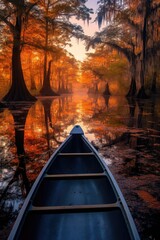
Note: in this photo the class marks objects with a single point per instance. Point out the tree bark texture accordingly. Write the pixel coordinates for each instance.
(18, 90)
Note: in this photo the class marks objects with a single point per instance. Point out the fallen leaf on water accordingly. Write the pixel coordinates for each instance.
(149, 199)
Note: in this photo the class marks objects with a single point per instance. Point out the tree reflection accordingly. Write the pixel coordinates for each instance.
(132, 106)
(107, 100)
(140, 114)
(19, 113)
(100, 105)
(47, 103)
(63, 115)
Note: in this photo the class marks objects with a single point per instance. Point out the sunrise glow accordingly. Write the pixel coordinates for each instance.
(78, 48)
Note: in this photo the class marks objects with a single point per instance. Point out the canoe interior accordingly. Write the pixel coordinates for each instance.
(75, 164)
(68, 192)
(68, 164)
(106, 225)
(74, 199)
(76, 145)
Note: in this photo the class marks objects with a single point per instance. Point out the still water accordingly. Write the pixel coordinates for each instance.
(126, 133)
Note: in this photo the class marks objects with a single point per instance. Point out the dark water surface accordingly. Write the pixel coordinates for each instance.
(126, 133)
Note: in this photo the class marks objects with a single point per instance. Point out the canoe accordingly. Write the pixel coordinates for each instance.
(75, 197)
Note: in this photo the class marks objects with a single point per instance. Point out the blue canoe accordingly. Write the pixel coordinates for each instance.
(75, 197)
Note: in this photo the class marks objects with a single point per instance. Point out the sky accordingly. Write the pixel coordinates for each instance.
(78, 47)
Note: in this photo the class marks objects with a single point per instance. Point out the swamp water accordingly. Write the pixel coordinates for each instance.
(126, 133)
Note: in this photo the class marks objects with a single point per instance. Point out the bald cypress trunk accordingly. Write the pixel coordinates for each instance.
(46, 89)
(107, 91)
(18, 90)
(141, 92)
(132, 88)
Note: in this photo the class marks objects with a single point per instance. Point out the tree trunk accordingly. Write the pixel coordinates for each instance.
(46, 89)
(33, 84)
(59, 80)
(141, 92)
(133, 87)
(62, 90)
(107, 91)
(45, 82)
(18, 90)
(66, 85)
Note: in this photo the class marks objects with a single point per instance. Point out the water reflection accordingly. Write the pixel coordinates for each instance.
(125, 132)
(19, 114)
(144, 131)
(106, 122)
(14, 183)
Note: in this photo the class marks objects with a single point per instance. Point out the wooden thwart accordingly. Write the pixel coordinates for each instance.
(77, 208)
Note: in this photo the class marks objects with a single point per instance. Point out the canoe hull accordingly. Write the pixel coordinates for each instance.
(75, 197)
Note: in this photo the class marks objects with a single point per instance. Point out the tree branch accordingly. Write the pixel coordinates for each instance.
(8, 23)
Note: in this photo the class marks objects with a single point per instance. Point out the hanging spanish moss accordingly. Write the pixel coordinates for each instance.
(133, 29)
